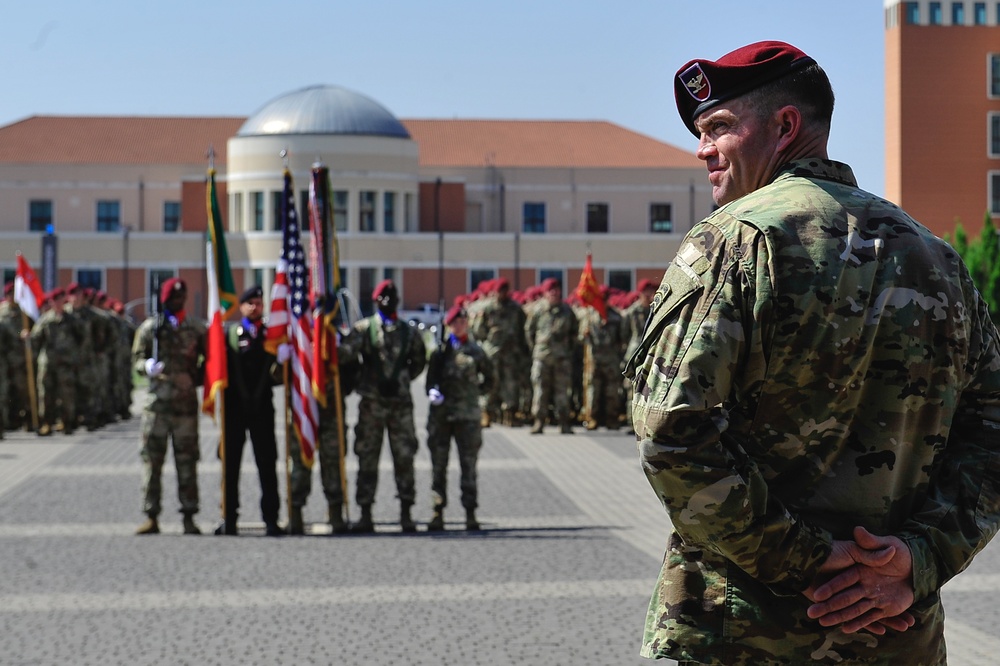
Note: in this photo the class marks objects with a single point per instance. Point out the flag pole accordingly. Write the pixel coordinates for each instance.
(32, 389)
(288, 435)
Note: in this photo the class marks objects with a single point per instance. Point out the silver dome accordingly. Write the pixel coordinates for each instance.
(323, 110)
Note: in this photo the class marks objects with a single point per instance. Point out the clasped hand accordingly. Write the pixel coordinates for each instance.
(864, 584)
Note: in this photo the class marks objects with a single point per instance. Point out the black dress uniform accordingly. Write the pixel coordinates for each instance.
(253, 371)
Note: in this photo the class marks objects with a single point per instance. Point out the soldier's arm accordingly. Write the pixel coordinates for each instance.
(418, 353)
(717, 497)
(142, 347)
(487, 376)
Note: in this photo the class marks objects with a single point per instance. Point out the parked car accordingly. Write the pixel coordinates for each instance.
(425, 316)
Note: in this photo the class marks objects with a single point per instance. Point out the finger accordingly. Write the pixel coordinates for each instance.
(897, 623)
(838, 605)
(837, 584)
(875, 558)
(863, 621)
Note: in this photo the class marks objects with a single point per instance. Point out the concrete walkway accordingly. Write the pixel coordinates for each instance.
(560, 574)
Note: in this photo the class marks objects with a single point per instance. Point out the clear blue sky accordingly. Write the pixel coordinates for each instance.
(537, 59)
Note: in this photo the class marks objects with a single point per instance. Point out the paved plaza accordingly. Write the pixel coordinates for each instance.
(560, 574)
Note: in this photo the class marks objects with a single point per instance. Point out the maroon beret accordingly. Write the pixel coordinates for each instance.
(454, 313)
(382, 287)
(56, 293)
(702, 84)
(645, 284)
(503, 283)
(169, 287)
(72, 287)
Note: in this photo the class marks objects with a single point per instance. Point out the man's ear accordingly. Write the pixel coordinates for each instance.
(789, 121)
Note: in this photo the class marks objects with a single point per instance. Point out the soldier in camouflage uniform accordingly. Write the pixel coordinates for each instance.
(633, 324)
(817, 396)
(88, 371)
(603, 348)
(169, 349)
(499, 329)
(56, 338)
(551, 335)
(458, 371)
(16, 403)
(392, 354)
(121, 361)
(10, 347)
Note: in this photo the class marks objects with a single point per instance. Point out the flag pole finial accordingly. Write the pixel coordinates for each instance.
(284, 156)
(211, 156)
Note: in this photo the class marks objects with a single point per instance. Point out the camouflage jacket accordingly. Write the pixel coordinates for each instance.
(603, 336)
(461, 372)
(392, 356)
(56, 338)
(815, 360)
(499, 328)
(633, 323)
(551, 331)
(182, 352)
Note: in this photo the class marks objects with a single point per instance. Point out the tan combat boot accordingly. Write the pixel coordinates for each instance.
(189, 526)
(295, 525)
(365, 525)
(437, 521)
(149, 527)
(405, 521)
(471, 524)
(335, 514)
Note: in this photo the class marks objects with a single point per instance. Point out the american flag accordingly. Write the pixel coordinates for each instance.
(290, 321)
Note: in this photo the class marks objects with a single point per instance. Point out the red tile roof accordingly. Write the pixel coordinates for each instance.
(443, 143)
(541, 143)
(116, 140)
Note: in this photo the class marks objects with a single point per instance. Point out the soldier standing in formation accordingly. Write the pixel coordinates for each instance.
(56, 338)
(459, 370)
(253, 372)
(498, 327)
(551, 335)
(392, 354)
(169, 349)
(18, 405)
(601, 338)
(91, 337)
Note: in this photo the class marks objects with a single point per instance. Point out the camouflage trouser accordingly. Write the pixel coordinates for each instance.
(56, 393)
(329, 461)
(18, 405)
(183, 430)
(468, 440)
(504, 394)
(551, 379)
(602, 389)
(4, 402)
(375, 416)
(87, 378)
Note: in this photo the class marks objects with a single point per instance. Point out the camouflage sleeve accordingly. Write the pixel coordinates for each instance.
(142, 346)
(704, 356)
(485, 367)
(418, 353)
(962, 510)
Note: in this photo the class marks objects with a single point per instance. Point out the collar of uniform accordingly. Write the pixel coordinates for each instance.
(814, 167)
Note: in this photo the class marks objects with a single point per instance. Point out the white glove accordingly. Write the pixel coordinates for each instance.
(436, 397)
(284, 352)
(153, 367)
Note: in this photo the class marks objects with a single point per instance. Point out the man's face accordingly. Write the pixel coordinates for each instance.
(459, 326)
(175, 303)
(738, 147)
(253, 309)
(554, 296)
(503, 293)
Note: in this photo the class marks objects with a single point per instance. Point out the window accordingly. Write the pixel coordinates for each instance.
(597, 218)
(557, 273)
(39, 215)
(171, 215)
(411, 223)
(276, 210)
(366, 285)
(340, 210)
(620, 279)
(257, 206)
(303, 211)
(995, 135)
(389, 273)
(90, 277)
(236, 212)
(8, 275)
(534, 218)
(108, 216)
(995, 192)
(995, 75)
(958, 13)
(660, 218)
(366, 214)
(912, 10)
(389, 211)
(979, 13)
(477, 275)
(935, 13)
(257, 277)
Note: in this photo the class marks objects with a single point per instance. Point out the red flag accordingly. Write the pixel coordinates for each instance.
(589, 292)
(324, 277)
(290, 322)
(28, 293)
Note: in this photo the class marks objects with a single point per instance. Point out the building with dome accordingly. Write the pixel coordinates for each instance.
(438, 205)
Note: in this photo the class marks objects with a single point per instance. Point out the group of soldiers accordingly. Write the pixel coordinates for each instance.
(557, 359)
(69, 368)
